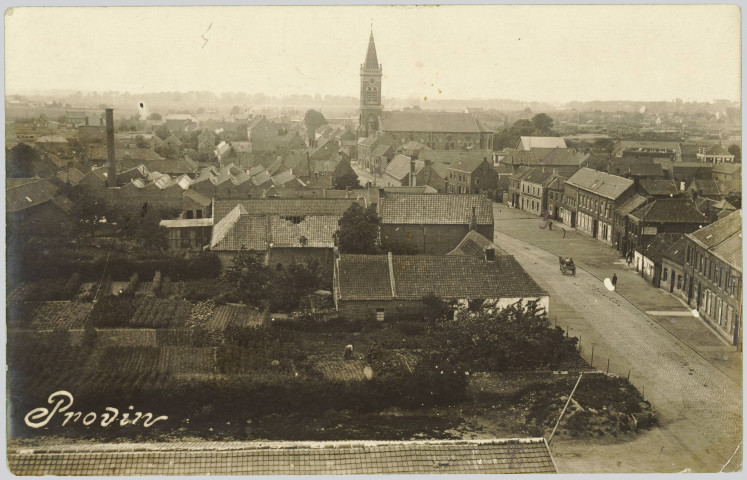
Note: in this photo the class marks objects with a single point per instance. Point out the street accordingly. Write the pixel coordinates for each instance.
(691, 377)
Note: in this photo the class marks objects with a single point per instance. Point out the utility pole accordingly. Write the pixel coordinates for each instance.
(564, 408)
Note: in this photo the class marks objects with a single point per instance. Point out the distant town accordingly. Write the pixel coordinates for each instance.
(433, 286)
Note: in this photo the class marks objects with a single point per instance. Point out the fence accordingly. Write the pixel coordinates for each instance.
(598, 359)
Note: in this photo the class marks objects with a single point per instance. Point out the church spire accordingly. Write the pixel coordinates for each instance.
(372, 62)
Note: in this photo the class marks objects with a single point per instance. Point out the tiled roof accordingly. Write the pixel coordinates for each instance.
(238, 231)
(670, 210)
(717, 150)
(655, 248)
(422, 121)
(648, 146)
(381, 149)
(536, 176)
(474, 245)
(286, 206)
(284, 177)
(676, 252)
(28, 195)
(316, 229)
(187, 222)
(556, 157)
(453, 209)
(727, 168)
(528, 143)
(705, 186)
(449, 277)
(490, 456)
(726, 186)
(363, 277)
(197, 197)
(399, 167)
(256, 170)
(466, 163)
(723, 237)
(631, 204)
(658, 186)
(261, 178)
(439, 156)
(73, 176)
(603, 184)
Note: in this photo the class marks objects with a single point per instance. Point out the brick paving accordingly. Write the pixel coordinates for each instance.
(698, 400)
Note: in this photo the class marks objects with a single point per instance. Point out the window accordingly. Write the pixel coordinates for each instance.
(477, 181)
(679, 282)
(666, 271)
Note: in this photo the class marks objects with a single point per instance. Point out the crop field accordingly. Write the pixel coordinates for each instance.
(144, 288)
(185, 360)
(160, 313)
(337, 369)
(49, 315)
(234, 315)
(126, 337)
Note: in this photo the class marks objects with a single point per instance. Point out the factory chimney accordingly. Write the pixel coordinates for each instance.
(111, 163)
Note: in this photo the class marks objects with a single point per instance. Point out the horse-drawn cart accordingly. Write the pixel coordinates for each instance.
(566, 266)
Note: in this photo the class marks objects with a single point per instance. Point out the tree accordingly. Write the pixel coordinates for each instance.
(162, 132)
(235, 110)
(248, 278)
(359, 229)
(735, 198)
(737, 152)
(23, 161)
(348, 180)
(293, 283)
(155, 116)
(313, 120)
(542, 123)
(140, 142)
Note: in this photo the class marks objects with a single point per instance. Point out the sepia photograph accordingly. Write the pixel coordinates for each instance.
(383, 239)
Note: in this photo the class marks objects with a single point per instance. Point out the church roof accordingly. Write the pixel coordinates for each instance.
(372, 62)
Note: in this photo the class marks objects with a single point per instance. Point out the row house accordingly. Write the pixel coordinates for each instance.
(591, 200)
(622, 222)
(713, 275)
(533, 191)
(649, 256)
(555, 194)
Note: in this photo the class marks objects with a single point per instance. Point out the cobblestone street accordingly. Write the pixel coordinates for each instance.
(691, 377)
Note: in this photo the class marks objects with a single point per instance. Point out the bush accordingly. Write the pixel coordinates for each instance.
(112, 312)
(411, 328)
(73, 285)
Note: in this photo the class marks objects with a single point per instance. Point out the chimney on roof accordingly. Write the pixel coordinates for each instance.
(473, 220)
(490, 254)
(412, 172)
(111, 163)
(308, 164)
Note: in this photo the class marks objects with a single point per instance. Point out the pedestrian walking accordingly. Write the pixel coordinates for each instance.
(614, 280)
(550, 224)
(563, 231)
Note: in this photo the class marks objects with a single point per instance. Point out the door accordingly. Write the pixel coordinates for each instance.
(595, 225)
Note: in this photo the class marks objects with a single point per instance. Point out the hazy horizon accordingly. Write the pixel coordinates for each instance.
(533, 54)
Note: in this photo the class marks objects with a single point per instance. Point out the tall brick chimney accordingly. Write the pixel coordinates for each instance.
(111, 163)
(412, 172)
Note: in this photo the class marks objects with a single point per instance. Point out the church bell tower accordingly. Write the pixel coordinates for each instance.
(370, 113)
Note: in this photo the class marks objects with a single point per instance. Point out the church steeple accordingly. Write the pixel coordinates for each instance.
(371, 108)
(372, 62)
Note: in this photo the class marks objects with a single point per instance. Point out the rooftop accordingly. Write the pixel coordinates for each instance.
(655, 248)
(670, 210)
(453, 209)
(413, 277)
(473, 244)
(658, 187)
(528, 143)
(723, 237)
(603, 184)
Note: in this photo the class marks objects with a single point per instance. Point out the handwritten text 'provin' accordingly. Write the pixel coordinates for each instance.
(62, 402)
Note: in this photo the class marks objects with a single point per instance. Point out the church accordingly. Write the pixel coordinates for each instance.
(435, 130)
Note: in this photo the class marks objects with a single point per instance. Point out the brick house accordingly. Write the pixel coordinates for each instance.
(594, 197)
(713, 273)
(534, 191)
(622, 222)
(434, 224)
(472, 174)
(393, 286)
(673, 277)
(438, 130)
(648, 256)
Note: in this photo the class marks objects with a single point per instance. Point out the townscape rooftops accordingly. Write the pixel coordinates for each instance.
(437, 122)
(705, 186)
(453, 209)
(603, 184)
(536, 176)
(670, 210)
(523, 456)
(197, 198)
(473, 244)
(73, 176)
(448, 276)
(726, 168)
(723, 237)
(645, 170)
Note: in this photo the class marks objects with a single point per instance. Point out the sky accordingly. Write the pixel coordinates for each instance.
(554, 53)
